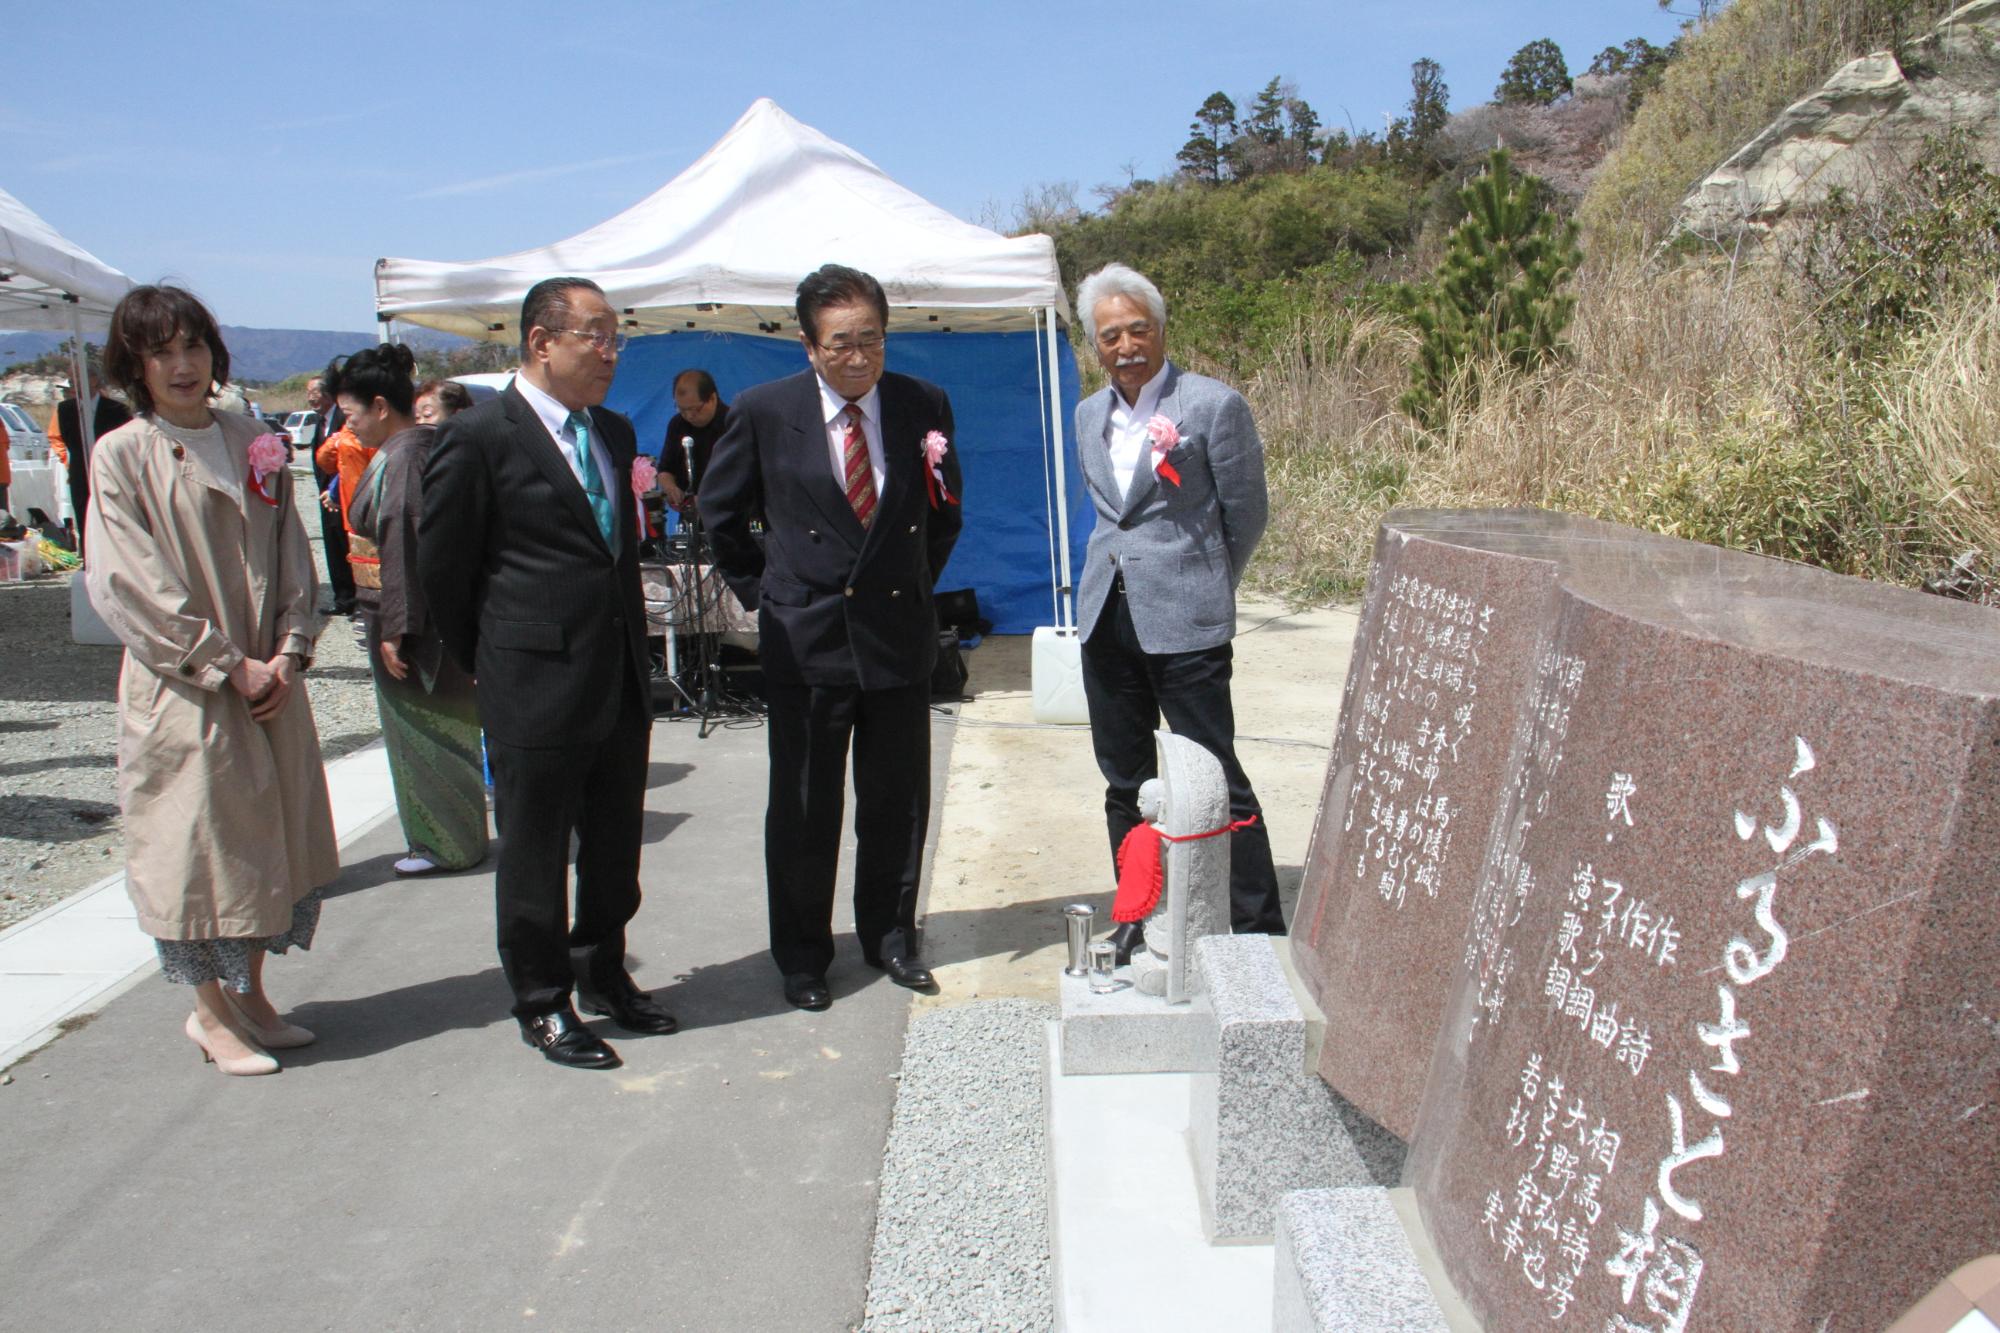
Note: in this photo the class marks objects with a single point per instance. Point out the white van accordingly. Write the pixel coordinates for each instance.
(303, 428)
(24, 438)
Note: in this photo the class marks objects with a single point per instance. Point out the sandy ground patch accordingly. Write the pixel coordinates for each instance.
(1021, 830)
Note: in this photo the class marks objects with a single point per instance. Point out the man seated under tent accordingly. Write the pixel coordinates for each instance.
(696, 426)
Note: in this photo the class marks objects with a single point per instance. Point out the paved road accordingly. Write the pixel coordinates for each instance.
(421, 1168)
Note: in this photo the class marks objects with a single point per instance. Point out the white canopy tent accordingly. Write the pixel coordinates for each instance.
(721, 249)
(49, 282)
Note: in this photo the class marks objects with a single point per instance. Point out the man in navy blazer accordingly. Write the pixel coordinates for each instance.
(1175, 472)
(528, 553)
(854, 472)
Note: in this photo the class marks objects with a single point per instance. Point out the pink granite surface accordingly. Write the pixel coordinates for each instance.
(1698, 1060)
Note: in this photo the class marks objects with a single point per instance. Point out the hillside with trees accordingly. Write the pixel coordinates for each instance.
(1418, 320)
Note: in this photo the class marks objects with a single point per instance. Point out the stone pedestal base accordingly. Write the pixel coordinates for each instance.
(1344, 1262)
(1126, 1032)
(1260, 1121)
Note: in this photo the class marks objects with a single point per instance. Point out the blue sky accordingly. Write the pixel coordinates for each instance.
(267, 153)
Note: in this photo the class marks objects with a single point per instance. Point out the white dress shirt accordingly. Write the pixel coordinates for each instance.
(1125, 431)
(555, 419)
(834, 408)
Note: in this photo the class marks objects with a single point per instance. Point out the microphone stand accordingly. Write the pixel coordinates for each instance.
(702, 696)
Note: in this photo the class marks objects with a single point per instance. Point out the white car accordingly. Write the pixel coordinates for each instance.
(303, 427)
(24, 438)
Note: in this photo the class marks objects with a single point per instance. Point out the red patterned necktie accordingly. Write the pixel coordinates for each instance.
(860, 477)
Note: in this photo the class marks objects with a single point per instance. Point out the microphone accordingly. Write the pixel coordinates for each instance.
(687, 447)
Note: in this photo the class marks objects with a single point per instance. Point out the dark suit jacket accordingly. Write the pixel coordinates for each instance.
(836, 604)
(522, 587)
(109, 416)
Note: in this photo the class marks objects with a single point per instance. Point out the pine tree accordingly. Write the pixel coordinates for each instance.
(1211, 131)
(1536, 75)
(1265, 122)
(1497, 295)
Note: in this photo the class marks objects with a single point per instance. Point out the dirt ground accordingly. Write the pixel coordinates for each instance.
(1021, 832)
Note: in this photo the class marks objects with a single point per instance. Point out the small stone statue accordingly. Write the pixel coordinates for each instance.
(1188, 804)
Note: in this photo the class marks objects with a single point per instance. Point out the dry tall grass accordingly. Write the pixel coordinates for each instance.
(1943, 400)
(1691, 405)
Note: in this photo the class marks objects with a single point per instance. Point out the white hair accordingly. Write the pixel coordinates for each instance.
(1117, 280)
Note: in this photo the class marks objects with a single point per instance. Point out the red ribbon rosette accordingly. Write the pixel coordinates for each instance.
(268, 454)
(935, 445)
(1165, 435)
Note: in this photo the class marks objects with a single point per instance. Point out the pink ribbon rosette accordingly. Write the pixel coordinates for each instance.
(1165, 435)
(645, 476)
(268, 453)
(935, 445)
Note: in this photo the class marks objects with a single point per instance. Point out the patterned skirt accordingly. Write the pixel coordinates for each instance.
(192, 962)
(432, 736)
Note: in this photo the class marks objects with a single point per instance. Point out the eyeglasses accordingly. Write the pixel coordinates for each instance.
(866, 345)
(606, 344)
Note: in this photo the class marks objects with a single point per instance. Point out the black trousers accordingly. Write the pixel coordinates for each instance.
(332, 531)
(597, 791)
(1129, 690)
(809, 728)
(79, 503)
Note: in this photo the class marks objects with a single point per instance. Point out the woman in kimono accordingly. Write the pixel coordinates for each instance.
(199, 563)
(430, 718)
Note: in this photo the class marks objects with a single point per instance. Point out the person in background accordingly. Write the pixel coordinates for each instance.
(66, 443)
(438, 401)
(332, 527)
(342, 456)
(6, 466)
(1175, 472)
(200, 565)
(430, 717)
(701, 416)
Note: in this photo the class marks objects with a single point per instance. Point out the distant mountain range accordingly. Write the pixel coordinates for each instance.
(261, 355)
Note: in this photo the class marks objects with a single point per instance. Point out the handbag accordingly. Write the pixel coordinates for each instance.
(949, 676)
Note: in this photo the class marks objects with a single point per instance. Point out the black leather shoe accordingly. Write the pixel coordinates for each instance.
(906, 971)
(807, 990)
(1128, 939)
(629, 1007)
(562, 1039)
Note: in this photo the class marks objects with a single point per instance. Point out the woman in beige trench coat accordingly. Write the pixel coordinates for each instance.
(199, 563)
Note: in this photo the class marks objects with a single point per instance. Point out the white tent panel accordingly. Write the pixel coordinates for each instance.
(723, 245)
(49, 282)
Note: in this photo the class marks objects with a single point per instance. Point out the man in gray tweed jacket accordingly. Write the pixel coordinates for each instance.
(1176, 473)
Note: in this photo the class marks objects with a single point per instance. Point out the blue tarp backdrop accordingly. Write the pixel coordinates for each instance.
(998, 402)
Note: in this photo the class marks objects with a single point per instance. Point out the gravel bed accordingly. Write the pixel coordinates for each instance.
(962, 1221)
(60, 829)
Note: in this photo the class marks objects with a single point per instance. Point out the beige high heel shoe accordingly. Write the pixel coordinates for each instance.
(284, 1037)
(239, 1065)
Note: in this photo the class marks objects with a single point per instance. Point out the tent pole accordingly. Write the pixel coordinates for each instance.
(86, 424)
(1044, 414)
(1066, 612)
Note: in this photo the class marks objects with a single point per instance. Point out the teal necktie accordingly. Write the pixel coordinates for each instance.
(593, 480)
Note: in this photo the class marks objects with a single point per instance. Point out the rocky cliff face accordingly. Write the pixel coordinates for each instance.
(1861, 128)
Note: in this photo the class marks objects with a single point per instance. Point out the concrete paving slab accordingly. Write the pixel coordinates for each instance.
(420, 1168)
(94, 938)
(1131, 1256)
